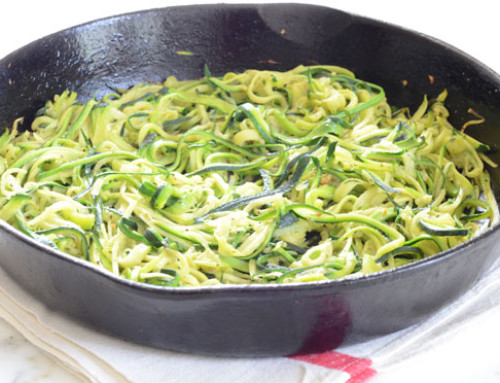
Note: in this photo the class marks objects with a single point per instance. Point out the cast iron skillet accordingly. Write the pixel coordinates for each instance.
(246, 320)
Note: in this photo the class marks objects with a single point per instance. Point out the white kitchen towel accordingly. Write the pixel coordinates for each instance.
(101, 359)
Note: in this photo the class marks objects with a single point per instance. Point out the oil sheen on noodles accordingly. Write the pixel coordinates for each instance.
(254, 177)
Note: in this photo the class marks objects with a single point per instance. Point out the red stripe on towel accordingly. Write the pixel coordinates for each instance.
(359, 368)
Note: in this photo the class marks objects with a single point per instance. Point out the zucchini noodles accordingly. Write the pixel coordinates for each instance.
(254, 177)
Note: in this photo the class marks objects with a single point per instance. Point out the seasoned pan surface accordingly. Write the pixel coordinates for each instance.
(246, 320)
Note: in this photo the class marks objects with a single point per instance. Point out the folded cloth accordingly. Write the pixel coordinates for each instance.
(100, 358)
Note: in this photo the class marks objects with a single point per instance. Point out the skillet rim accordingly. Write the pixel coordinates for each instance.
(342, 283)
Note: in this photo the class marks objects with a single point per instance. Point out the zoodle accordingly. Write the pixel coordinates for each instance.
(254, 177)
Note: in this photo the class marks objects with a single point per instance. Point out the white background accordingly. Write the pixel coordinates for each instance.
(470, 26)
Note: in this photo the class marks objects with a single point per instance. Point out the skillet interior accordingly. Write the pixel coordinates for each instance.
(251, 320)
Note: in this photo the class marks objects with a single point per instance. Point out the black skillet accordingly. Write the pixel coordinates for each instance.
(246, 320)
